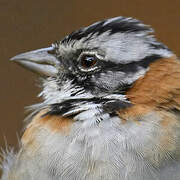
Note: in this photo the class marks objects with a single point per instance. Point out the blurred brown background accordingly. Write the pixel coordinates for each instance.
(27, 25)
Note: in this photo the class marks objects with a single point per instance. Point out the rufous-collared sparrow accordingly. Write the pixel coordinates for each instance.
(110, 109)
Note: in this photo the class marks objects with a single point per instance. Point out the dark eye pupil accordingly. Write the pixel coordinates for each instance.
(88, 61)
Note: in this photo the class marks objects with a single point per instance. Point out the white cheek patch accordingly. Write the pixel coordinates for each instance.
(52, 93)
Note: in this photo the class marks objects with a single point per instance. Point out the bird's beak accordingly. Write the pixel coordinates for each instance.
(40, 61)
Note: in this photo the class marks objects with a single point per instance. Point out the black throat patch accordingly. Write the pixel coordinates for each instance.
(109, 106)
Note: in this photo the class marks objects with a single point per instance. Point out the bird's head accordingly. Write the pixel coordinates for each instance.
(95, 65)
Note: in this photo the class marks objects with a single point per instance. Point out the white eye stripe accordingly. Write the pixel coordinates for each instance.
(87, 69)
(93, 53)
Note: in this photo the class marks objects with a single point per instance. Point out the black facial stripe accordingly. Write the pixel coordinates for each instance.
(85, 79)
(60, 108)
(115, 106)
(159, 46)
(130, 67)
(77, 92)
(108, 105)
(148, 60)
(119, 25)
(111, 66)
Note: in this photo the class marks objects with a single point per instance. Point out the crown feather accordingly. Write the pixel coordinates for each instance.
(113, 25)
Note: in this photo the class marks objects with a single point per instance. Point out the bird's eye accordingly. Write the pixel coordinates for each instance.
(88, 61)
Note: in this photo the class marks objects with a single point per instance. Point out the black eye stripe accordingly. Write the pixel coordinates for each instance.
(130, 67)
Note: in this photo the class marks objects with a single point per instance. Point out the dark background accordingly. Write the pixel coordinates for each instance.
(28, 24)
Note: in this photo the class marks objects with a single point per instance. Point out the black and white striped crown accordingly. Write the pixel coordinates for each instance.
(113, 26)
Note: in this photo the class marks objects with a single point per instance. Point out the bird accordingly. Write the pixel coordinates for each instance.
(110, 107)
